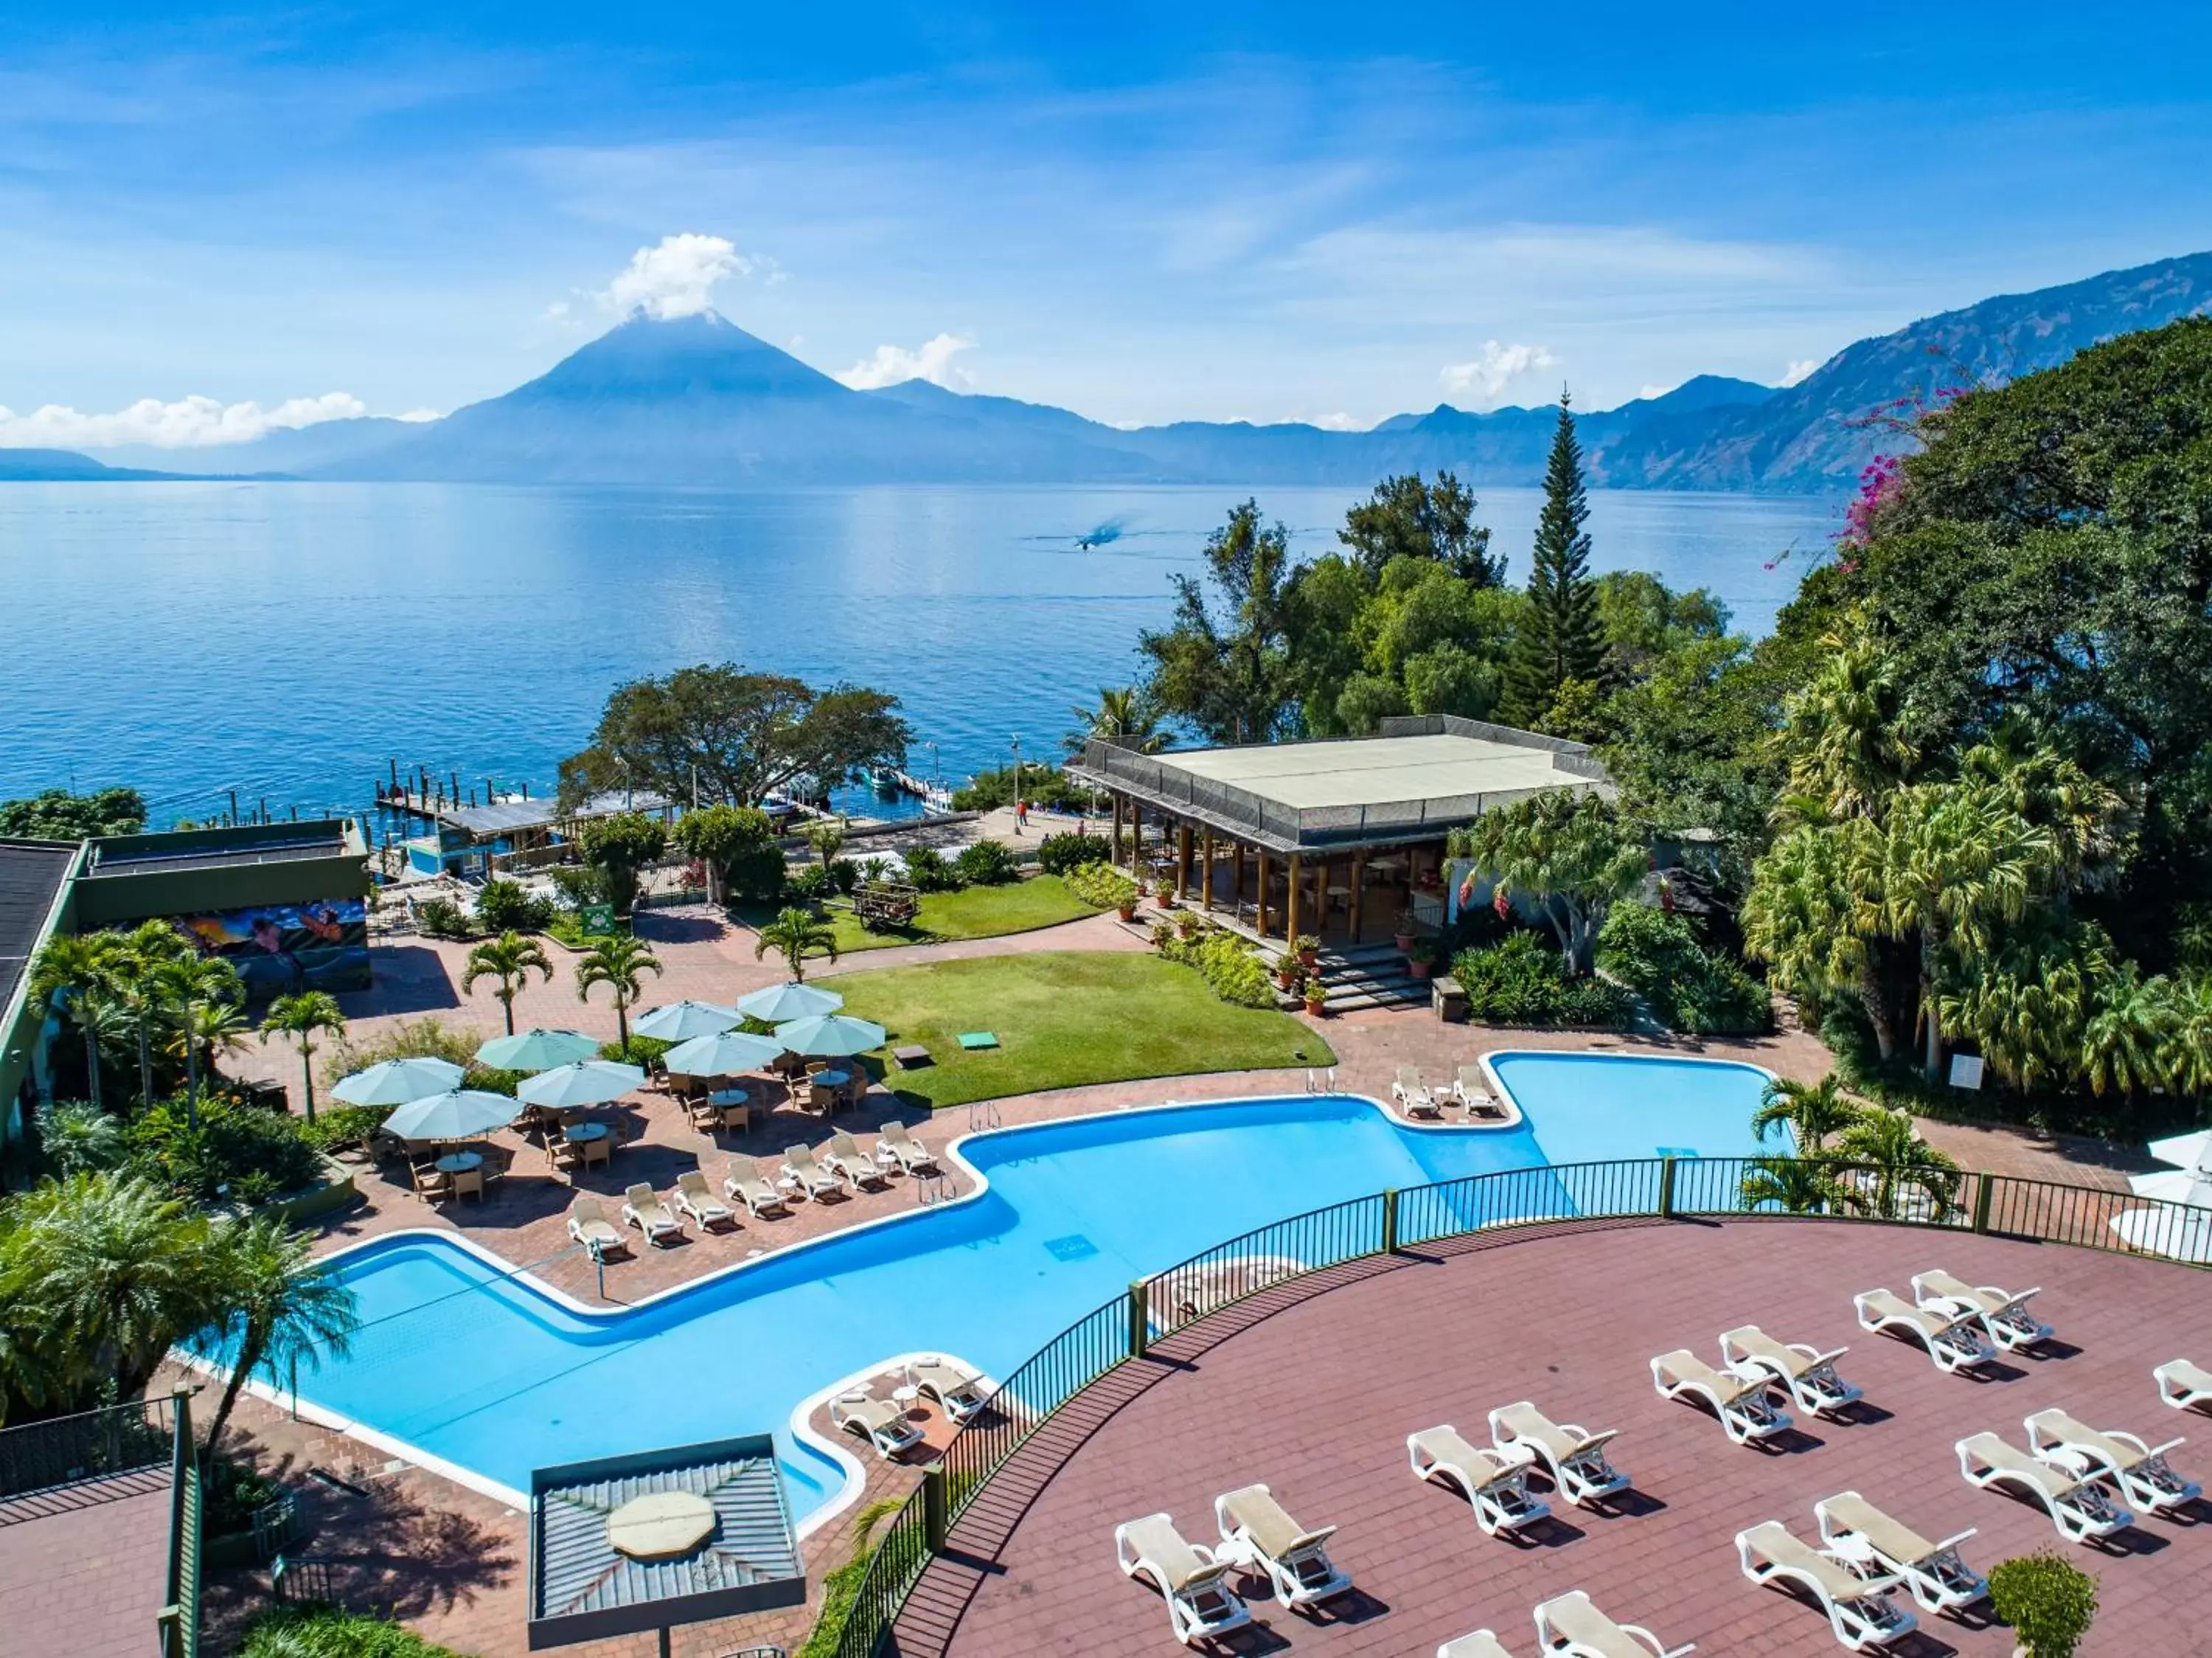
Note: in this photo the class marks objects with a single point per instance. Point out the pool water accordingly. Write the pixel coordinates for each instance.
(463, 1364)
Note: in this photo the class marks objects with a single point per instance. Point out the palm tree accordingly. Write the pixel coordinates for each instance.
(141, 953)
(1124, 717)
(1796, 1186)
(1813, 1112)
(79, 1138)
(508, 959)
(795, 935)
(72, 969)
(284, 1305)
(1846, 750)
(187, 990)
(1887, 1145)
(616, 962)
(2126, 1040)
(303, 1016)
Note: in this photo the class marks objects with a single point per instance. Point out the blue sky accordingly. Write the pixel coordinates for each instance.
(1141, 211)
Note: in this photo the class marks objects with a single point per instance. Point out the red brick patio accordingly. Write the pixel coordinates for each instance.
(1313, 1388)
(83, 1568)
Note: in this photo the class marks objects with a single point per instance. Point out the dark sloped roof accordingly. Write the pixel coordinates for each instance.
(31, 873)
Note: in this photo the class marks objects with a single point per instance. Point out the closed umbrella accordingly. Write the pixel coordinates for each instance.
(723, 1054)
(395, 1081)
(679, 1021)
(456, 1115)
(538, 1050)
(830, 1036)
(586, 1082)
(780, 1002)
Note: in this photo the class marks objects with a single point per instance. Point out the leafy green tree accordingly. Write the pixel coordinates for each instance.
(738, 844)
(1224, 663)
(1406, 517)
(1562, 639)
(1122, 716)
(2048, 1600)
(794, 935)
(618, 963)
(191, 991)
(1813, 915)
(620, 847)
(1794, 1185)
(1885, 1148)
(1814, 1112)
(1845, 739)
(281, 1305)
(303, 1016)
(1645, 622)
(78, 1138)
(59, 815)
(1569, 852)
(77, 973)
(508, 960)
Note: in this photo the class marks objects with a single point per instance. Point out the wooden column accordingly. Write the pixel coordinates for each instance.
(1358, 888)
(1291, 909)
(1237, 874)
(1113, 845)
(1263, 912)
(1182, 862)
(1205, 879)
(1136, 835)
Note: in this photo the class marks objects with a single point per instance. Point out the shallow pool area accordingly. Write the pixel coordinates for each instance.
(459, 1361)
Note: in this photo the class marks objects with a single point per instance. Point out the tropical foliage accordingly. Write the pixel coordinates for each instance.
(1571, 856)
(794, 935)
(313, 1630)
(303, 1016)
(1230, 965)
(507, 961)
(57, 814)
(1683, 984)
(1519, 982)
(1849, 1158)
(1124, 717)
(619, 963)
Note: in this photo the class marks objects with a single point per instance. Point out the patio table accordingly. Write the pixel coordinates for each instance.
(577, 1134)
(460, 1163)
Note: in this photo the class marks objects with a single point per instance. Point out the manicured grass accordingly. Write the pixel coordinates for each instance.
(1064, 1018)
(1020, 906)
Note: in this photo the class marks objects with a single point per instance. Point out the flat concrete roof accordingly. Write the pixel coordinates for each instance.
(1370, 771)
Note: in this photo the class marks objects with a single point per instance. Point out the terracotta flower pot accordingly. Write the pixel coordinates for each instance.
(1420, 969)
(1308, 958)
(1403, 942)
(1317, 1007)
(1127, 910)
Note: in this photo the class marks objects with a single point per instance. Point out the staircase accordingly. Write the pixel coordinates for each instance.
(1361, 976)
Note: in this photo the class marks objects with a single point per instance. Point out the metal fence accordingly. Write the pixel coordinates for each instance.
(178, 1623)
(1389, 1222)
(118, 1439)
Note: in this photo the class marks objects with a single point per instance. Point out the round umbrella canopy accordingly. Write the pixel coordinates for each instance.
(723, 1054)
(780, 1002)
(538, 1050)
(2184, 1234)
(2174, 1185)
(2192, 1151)
(456, 1115)
(395, 1081)
(679, 1021)
(586, 1082)
(830, 1035)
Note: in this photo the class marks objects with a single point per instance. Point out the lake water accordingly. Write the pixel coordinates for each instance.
(289, 640)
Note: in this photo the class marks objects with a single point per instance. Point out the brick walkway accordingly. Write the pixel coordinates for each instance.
(1313, 1387)
(83, 1568)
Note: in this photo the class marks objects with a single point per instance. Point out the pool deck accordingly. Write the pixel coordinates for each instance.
(82, 1567)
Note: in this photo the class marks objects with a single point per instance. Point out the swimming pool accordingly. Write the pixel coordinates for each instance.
(461, 1366)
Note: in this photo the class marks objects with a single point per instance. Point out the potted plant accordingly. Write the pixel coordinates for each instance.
(1306, 948)
(1163, 935)
(1189, 924)
(1421, 957)
(1165, 894)
(1287, 976)
(1404, 938)
(1316, 998)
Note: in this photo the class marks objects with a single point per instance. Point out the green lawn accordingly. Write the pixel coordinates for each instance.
(972, 912)
(1064, 1018)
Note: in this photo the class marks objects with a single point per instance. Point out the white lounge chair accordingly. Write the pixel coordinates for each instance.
(693, 1198)
(2184, 1385)
(960, 1392)
(1856, 1531)
(1259, 1534)
(1569, 1453)
(2082, 1509)
(896, 1148)
(1955, 1341)
(1472, 1089)
(642, 1208)
(1571, 1627)
(1411, 1092)
(1200, 1603)
(748, 1185)
(879, 1421)
(2003, 1313)
(2138, 1468)
(1494, 1482)
(1482, 1643)
(1859, 1609)
(1743, 1401)
(845, 1157)
(815, 1181)
(1807, 1373)
(589, 1226)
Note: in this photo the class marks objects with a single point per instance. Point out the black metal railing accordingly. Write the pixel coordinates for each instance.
(177, 1625)
(116, 1439)
(1389, 1222)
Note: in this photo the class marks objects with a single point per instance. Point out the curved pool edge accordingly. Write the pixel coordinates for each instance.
(1490, 1069)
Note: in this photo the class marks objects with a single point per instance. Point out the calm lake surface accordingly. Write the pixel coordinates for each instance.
(289, 640)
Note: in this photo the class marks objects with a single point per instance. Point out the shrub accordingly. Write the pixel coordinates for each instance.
(810, 884)
(313, 1630)
(739, 843)
(579, 884)
(337, 1127)
(2047, 1599)
(927, 870)
(506, 906)
(1686, 986)
(986, 863)
(1044, 787)
(234, 1495)
(646, 1051)
(1523, 982)
(844, 875)
(1229, 964)
(428, 1038)
(236, 1151)
(1101, 886)
(78, 1138)
(440, 917)
(1059, 854)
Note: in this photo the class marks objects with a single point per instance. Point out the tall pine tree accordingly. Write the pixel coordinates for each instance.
(1561, 639)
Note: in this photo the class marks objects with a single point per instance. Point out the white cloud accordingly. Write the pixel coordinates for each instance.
(1798, 369)
(893, 363)
(1495, 368)
(677, 278)
(191, 422)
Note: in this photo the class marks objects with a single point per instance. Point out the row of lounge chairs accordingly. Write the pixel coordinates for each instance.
(961, 1393)
(1469, 1090)
(1258, 1537)
(2082, 1477)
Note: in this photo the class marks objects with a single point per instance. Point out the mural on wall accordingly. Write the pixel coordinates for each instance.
(281, 947)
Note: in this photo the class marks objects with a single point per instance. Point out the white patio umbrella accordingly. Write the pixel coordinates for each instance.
(456, 1115)
(2185, 1234)
(723, 1054)
(679, 1021)
(2174, 1185)
(2190, 1151)
(831, 1036)
(780, 1002)
(585, 1082)
(395, 1081)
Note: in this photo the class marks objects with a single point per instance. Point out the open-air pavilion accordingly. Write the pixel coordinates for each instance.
(1332, 838)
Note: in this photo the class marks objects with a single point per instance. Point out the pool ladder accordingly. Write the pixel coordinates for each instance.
(1321, 1081)
(931, 1189)
(984, 1114)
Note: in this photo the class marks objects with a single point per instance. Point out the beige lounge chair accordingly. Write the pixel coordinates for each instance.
(748, 1185)
(1806, 1373)
(1571, 1627)
(960, 1392)
(1494, 1482)
(694, 1199)
(1258, 1535)
(1482, 1643)
(1411, 1092)
(814, 1181)
(896, 1146)
(1955, 1341)
(1569, 1453)
(2138, 1468)
(589, 1226)
(2184, 1385)
(1859, 1609)
(2003, 1313)
(642, 1208)
(879, 1421)
(1743, 1403)
(2082, 1509)
(1939, 1580)
(845, 1157)
(1192, 1582)
(1472, 1089)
